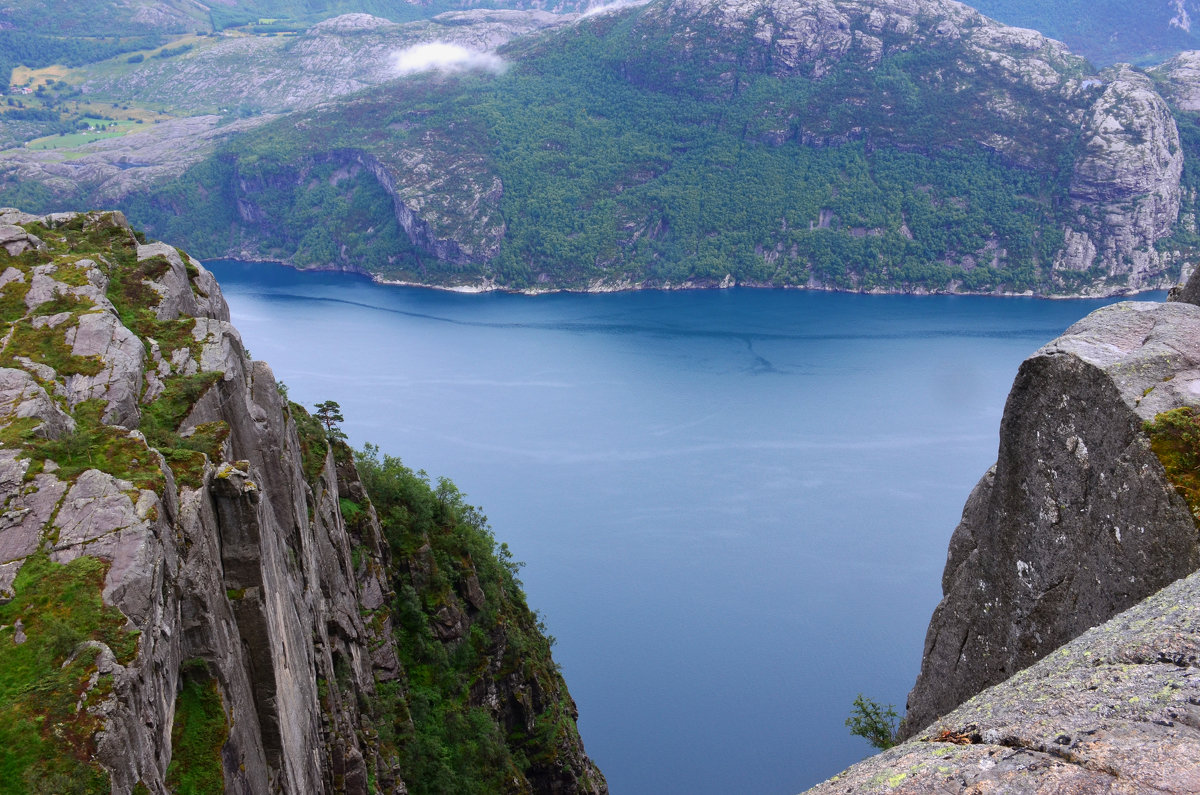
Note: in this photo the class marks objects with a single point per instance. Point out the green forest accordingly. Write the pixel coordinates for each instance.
(615, 167)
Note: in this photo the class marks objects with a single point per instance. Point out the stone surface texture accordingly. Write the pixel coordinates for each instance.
(1113, 711)
(1077, 520)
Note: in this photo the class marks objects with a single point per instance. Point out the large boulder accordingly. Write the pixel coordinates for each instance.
(1077, 520)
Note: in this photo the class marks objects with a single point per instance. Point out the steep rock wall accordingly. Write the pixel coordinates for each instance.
(1125, 185)
(135, 430)
(1077, 520)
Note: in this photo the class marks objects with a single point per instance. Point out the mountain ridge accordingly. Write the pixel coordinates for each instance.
(878, 146)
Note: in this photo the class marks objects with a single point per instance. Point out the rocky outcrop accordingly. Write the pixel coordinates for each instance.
(1125, 185)
(1077, 520)
(136, 431)
(1113, 711)
(1179, 79)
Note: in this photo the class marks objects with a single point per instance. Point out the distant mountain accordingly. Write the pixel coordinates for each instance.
(1107, 31)
(140, 17)
(880, 145)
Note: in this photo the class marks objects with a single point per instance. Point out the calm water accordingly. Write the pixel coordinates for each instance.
(734, 506)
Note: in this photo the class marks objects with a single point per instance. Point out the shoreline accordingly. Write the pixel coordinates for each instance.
(597, 287)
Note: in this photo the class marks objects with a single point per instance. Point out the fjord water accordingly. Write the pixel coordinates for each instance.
(733, 505)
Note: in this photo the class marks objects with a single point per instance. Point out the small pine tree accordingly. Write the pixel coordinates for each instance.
(330, 414)
(875, 724)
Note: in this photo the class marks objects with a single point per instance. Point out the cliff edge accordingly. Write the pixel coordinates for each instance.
(1077, 520)
(1063, 655)
(1114, 711)
(197, 592)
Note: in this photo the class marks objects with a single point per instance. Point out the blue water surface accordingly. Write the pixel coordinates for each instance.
(733, 505)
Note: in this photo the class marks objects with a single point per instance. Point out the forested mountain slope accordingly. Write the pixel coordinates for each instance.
(850, 145)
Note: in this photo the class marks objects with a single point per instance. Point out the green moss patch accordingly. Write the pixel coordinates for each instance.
(93, 445)
(162, 418)
(1175, 439)
(62, 303)
(313, 445)
(197, 736)
(48, 346)
(48, 742)
(12, 301)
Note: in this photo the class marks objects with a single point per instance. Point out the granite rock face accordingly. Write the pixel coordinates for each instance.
(138, 431)
(1113, 711)
(1181, 80)
(1126, 184)
(1077, 520)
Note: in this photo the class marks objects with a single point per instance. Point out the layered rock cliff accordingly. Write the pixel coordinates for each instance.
(198, 592)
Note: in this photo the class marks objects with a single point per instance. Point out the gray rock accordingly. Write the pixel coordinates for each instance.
(1076, 521)
(1180, 77)
(23, 397)
(1113, 711)
(11, 216)
(27, 508)
(16, 240)
(1188, 292)
(1126, 184)
(119, 383)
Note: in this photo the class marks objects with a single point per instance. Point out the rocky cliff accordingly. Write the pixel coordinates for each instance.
(1078, 519)
(198, 592)
(1125, 187)
(1113, 711)
(1070, 595)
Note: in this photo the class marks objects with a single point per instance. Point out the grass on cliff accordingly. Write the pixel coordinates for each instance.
(1175, 439)
(197, 736)
(92, 445)
(46, 688)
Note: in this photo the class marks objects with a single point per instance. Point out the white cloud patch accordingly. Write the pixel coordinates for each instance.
(607, 8)
(442, 56)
